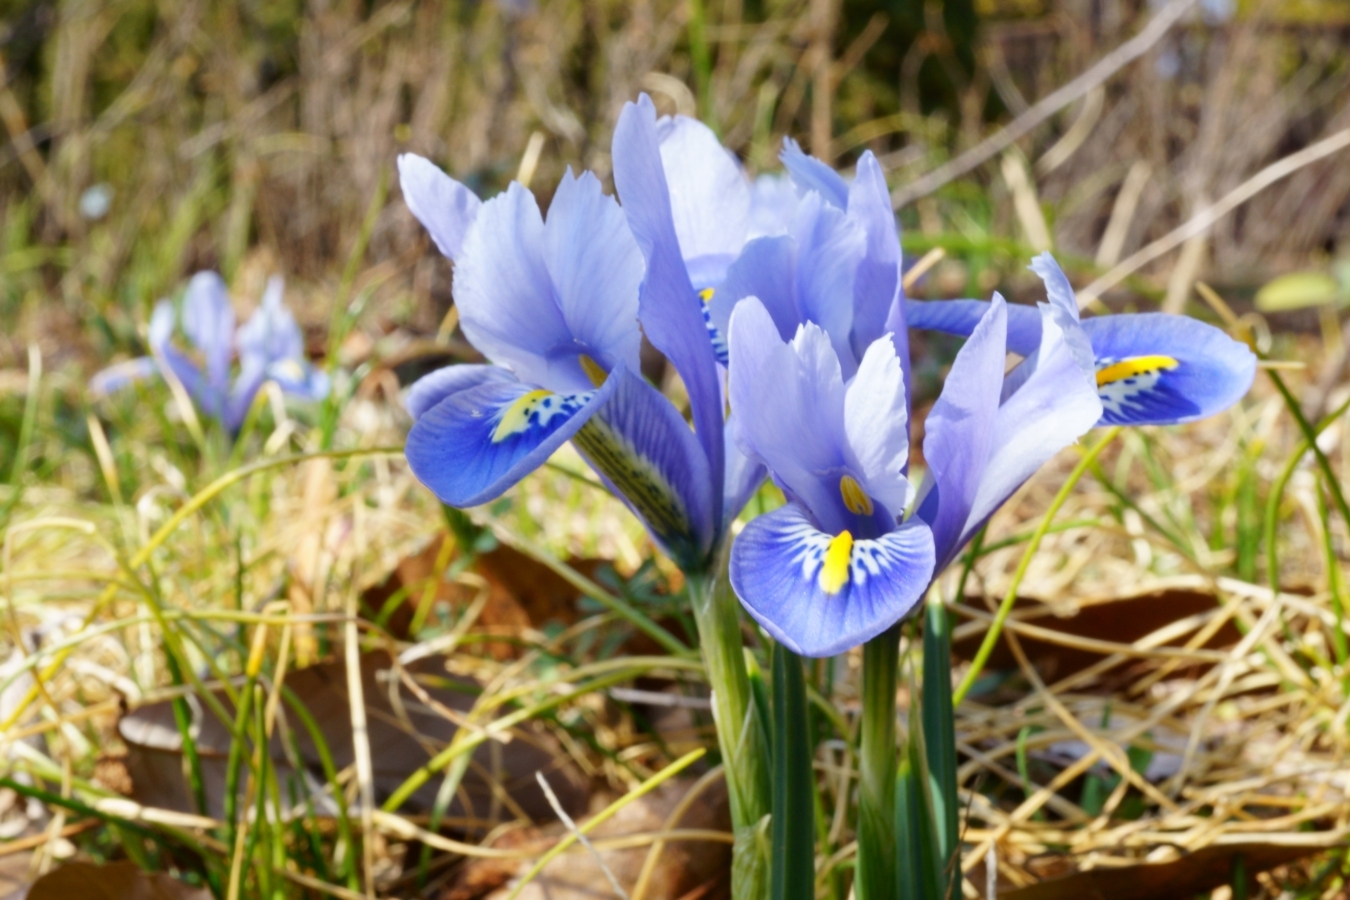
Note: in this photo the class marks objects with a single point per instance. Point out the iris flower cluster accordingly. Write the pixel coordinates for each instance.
(269, 347)
(781, 307)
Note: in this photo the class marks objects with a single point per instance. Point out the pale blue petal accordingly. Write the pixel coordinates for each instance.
(959, 317)
(744, 477)
(596, 269)
(829, 248)
(434, 387)
(507, 305)
(876, 415)
(208, 321)
(446, 208)
(811, 174)
(1057, 285)
(1051, 409)
(476, 443)
(787, 410)
(170, 359)
(709, 196)
(670, 312)
(270, 334)
(648, 456)
(959, 431)
(773, 202)
(1159, 369)
(119, 375)
(877, 284)
(775, 570)
(765, 270)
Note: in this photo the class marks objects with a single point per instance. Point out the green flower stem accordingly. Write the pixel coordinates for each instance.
(740, 733)
(878, 877)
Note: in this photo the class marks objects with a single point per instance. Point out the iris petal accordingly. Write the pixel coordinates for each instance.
(446, 208)
(476, 443)
(670, 311)
(779, 570)
(1159, 369)
(878, 278)
(709, 195)
(647, 456)
(959, 317)
(434, 387)
(208, 321)
(810, 174)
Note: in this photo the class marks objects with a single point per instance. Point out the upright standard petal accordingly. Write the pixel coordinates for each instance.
(1051, 409)
(208, 321)
(820, 594)
(959, 431)
(476, 443)
(810, 174)
(446, 208)
(596, 269)
(709, 196)
(829, 248)
(670, 311)
(647, 455)
(271, 334)
(773, 201)
(787, 410)
(877, 284)
(765, 270)
(507, 305)
(876, 411)
(1160, 369)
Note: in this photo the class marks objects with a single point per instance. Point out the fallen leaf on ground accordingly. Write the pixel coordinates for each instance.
(113, 881)
(701, 868)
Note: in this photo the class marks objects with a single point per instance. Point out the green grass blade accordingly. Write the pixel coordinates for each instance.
(793, 823)
(877, 877)
(939, 731)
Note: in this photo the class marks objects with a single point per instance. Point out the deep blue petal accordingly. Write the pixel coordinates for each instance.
(777, 570)
(670, 311)
(810, 174)
(434, 387)
(644, 450)
(959, 317)
(476, 443)
(1159, 369)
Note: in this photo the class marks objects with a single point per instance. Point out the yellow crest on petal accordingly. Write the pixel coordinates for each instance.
(517, 416)
(834, 571)
(855, 498)
(593, 370)
(1133, 367)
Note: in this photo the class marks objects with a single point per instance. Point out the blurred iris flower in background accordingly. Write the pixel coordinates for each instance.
(269, 345)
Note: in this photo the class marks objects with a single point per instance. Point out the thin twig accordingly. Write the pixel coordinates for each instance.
(996, 143)
(1205, 218)
(572, 827)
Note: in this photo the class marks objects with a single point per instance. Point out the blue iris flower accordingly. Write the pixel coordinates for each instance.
(270, 347)
(1150, 368)
(554, 305)
(986, 435)
(835, 566)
